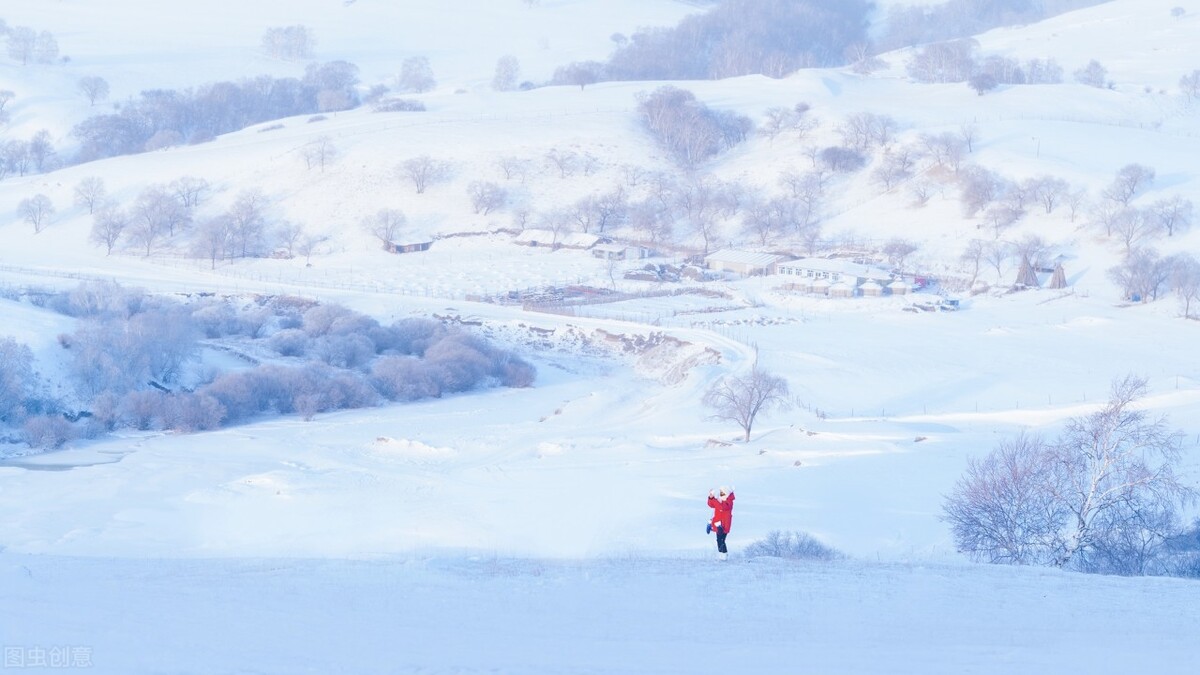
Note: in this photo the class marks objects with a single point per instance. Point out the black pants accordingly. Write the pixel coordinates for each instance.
(721, 539)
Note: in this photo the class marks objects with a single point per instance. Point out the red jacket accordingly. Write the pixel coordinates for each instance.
(722, 512)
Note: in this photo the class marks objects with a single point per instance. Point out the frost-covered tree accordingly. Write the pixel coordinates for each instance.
(94, 88)
(16, 378)
(1093, 75)
(416, 75)
(1102, 497)
(90, 192)
(423, 171)
(318, 152)
(486, 196)
(508, 72)
(291, 43)
(1129, 180)
(36, 211)
(384, 225)
(22, 44)
(741, 398)
(108, 222)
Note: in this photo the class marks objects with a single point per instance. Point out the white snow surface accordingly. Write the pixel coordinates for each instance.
(559, 528)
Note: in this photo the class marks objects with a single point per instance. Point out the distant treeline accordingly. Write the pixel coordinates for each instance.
(164, 117)
(911, 25)
(778, 37)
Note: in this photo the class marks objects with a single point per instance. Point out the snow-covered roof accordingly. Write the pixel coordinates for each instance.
(838, 266)
(743, 257)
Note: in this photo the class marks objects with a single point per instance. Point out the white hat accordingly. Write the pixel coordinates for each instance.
(722, 490)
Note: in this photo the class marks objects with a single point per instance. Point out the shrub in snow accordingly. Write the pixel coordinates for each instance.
(344, 351)
(318, 320)
(404, 378)
(414, 336)
(289, 342)
(793, 546)
(459, 362)
(143, 409)
(190, 412)
(47, 432)
(398, 105)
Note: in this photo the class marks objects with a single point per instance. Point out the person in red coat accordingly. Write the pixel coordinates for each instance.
(721, 502)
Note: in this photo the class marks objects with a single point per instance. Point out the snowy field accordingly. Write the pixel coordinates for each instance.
(559, 528)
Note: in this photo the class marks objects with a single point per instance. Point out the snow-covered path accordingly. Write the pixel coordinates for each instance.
(453, 614)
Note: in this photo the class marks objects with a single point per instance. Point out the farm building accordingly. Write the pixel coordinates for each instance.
(409, 245)
(746, 263)
(834, 270)
(618, 252)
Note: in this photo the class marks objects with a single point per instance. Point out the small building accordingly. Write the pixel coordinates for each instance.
(408, 245)
(746, 263)
(834, 269)
(821, 286)
(607, 251)
(871, 289)
(899, 287)
(842, 289)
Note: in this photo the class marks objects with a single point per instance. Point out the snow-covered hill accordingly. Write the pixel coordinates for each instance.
(558, 528)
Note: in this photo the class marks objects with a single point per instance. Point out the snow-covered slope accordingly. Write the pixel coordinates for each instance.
(559, 528)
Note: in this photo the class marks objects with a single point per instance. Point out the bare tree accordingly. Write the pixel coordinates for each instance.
(972, 256)
(740, 398)
(247, 222)
(94, 87)
(1171, 214)
(22, 43)
(513, 167)
(486, 196)
(384, 225)
(214, 240)
(1130, 179)
(288, 235)
(898, 250)
(90, 192)
(423, 171)
(1190, 84)
(1185, 280)
(160, 209)
(1133, 226)
(416, 75)
(1093, 75)
(291, 43)
(508, 71)
(190, 190)
(36, 211)
(318, 152)
(564, 161)
(1101, 498)
(108, 222)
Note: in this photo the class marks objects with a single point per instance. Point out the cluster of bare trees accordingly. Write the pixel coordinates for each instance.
(160, 118)
(18, 157)
(909, 25)
(291, 43)
(956, 61)
(166, 214)
(741, 37)
(689, 131)
(130, 356)
(28, 45)
(1103, 496)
